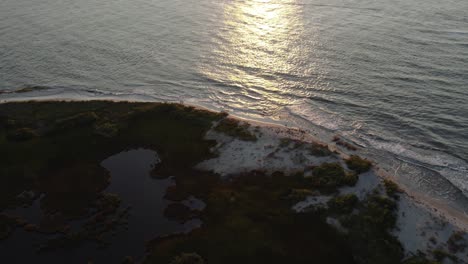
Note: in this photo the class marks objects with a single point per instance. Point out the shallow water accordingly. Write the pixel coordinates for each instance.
(389, 75)
(131, 181)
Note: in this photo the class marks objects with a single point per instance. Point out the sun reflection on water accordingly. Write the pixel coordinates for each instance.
(257, 52)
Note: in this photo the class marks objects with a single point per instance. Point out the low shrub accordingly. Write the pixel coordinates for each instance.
(236, 129)
(391, 188)
(343, 203)
(358, 164)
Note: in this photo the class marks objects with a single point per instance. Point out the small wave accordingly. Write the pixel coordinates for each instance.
(315, 116)
(25, 89)
(447, 166)
(75, 93)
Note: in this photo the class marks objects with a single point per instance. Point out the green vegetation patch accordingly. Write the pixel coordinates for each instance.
(358, 164)
(331, 176)
(420, 259)
(236, 129)
(441, 255)
(370, 231)
(312, 148)
(8, 224)
(300, 194)
(457, 242)
(249, 219)
(22, 134)
(106, 129)
(81, 119)
(107, 218)
(343, 203)
(391, 188)
(188, 258)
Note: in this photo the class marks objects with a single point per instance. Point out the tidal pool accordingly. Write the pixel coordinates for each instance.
(144, 195)
(131, 181)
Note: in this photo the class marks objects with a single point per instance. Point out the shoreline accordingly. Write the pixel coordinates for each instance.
(443, 209)
(274, 133)
(436, 207)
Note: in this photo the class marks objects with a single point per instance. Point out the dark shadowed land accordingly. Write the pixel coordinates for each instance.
(113, 182)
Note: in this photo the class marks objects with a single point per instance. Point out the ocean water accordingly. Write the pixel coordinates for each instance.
(390, 76)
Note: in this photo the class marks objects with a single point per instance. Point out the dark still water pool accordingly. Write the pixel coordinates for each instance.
(391, 76)
(141, 196)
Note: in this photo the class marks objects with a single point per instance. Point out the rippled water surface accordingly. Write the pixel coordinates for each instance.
(391, 76)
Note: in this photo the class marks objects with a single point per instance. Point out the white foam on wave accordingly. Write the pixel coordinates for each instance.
(424, 170)
(449, 167)
(315, 115)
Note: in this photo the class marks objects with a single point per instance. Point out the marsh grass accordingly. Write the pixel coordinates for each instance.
(247, 219)
(62, 161)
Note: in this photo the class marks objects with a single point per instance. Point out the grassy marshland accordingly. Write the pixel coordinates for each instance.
(55, 148)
